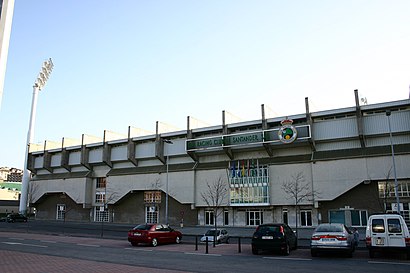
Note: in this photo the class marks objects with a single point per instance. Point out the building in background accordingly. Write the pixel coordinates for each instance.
(6, 18)
(327, 166)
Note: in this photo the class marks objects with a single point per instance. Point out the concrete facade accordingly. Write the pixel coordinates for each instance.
(339, 158)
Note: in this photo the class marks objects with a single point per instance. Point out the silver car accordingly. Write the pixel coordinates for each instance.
(221, 235)
(332, 237)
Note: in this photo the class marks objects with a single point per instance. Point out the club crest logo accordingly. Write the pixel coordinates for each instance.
(287, 133)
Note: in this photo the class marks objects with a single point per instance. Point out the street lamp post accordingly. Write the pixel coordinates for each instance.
(166, 190)
(38, 85)
(396, 185)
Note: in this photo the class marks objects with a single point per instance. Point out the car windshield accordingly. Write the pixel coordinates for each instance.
(143, 227)
(211, 232)
(268, 229)
(330, 228)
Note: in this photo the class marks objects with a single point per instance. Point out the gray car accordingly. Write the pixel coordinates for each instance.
(332, 237)
(221, 235)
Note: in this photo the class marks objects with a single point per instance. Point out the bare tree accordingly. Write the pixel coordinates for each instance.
(387, 188)
(299, 191)
(214, 196)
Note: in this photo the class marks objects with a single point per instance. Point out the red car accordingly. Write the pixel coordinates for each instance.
(153, 234)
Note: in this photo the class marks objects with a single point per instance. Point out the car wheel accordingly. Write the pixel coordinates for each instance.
(254, 250)
(134, 244)
(313, 253)
(227, 240)
(178, 240)
(154, 242)
(286, 251)
(218, 242)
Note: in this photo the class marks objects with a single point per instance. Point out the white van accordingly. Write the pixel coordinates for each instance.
(387, 232)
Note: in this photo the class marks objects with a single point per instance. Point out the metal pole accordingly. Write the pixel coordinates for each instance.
(30, 138)
(166, 193)
(396, 185)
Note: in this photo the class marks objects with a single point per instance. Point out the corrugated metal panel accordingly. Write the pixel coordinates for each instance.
(96, 155)
(351, 144)
(335, 128)
(56, 160)
(384, 141)
(379, 123)
(38, 162)
(74, 158)
(119, 153)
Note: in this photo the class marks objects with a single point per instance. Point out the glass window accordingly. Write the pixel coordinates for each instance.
(394, 225)
(306, 218)
(378, 225)
(254, 217)
(285, 216)
(337, 216)
(209, 217)
(101, 182)
(60, 211)
(151, 214)
(101, 214)
(226, 217)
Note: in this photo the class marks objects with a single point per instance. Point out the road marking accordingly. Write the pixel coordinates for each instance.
(137, 249)
(393, 263)
(19, 239)
(88, 245)
(283, 258)
(51, 242)
(14, 243)
(203, 254)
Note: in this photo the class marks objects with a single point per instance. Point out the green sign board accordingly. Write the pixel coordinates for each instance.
(268, 136)
(204, 143)
(242, 139)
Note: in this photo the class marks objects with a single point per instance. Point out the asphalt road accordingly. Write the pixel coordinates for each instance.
(21, 239)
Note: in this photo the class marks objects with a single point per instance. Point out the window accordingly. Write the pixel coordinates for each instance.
(285, 216)
(394, 225)
(100, 197)
(152, 197)
(101, 214)
(151, 214)
(209, 217)
(378, 225)
(254, 217)
(359, 217)
(306, 218)
(60, 211)
(387, 189)
(101, 182)
(226, 218)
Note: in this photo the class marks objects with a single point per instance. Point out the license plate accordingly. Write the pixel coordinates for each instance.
(380, 241)
(267, 237)
(328, 239)
(137, 234)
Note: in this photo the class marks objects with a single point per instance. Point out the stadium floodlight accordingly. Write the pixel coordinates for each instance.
(38, 85)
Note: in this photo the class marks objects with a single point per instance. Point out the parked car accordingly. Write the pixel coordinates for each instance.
(274, 237)
(332, 237)
(387, 232)
(16, 217)
(153, 234)
(221, 235)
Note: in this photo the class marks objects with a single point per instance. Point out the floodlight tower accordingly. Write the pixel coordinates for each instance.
(38, 85)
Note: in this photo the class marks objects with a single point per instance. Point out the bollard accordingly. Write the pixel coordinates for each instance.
(239, 245)
(206, 248)
(196, 243)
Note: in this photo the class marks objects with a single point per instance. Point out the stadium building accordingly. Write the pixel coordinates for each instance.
(335, 165)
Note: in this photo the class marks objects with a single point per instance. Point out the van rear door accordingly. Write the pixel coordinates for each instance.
(378, 232)
(395, 234)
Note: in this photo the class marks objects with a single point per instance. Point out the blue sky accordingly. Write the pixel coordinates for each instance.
(132, 63)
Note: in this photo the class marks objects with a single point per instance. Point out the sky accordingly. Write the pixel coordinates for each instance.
(133, 63)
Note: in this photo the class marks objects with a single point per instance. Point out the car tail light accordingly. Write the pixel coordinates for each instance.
(368, 241)
(282, 230)
(407, 240)
(315, 238)
(341, 238)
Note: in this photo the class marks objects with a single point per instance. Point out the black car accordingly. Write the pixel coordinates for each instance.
(274, 237)
(16, 217)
